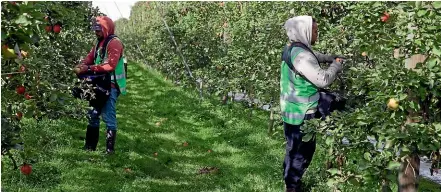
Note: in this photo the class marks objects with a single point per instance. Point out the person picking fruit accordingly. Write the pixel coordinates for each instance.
(300, 80)
(105, 57)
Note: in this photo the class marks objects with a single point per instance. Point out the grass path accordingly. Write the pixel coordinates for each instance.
(158, 117)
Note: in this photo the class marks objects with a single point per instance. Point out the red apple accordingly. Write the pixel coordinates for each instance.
(22, 68)
(26, 169)
(57, 28)
(19, 115)
(27, 96)
(48, 28)
(20, 90)
(385, 17)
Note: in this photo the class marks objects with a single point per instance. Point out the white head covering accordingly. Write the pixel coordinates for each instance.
(299, 29)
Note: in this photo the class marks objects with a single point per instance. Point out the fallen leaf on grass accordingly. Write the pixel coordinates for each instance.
(128, 170)
(161, 121)
(208, 170)
(185, 144)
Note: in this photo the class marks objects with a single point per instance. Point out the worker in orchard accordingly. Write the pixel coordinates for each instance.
(300, 81)
(105, 63)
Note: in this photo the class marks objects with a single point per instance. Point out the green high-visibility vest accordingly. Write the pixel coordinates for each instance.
(297, 95)
(119, 73)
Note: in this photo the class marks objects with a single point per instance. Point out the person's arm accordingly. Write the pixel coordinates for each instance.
(114, 50)
(323, 58)
(307, 65)
(89, 58)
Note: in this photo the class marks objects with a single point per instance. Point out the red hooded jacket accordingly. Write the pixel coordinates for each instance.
(114, 48)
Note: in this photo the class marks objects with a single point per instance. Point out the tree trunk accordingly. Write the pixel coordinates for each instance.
(408, 176)
(201, 85)
(271, 122)
(225, 98)
(233, 94)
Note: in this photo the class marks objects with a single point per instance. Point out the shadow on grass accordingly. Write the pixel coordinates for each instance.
(157, 118)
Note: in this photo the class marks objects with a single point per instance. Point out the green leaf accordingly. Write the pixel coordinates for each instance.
(391, 176)
(405, 149)
(367, 156)
(330, 151)
(138, 74)
(431, 83)
(331, 182)
(22, 20)
(354, 181)
(329, 140)
(436, 4)
(389, 144)
(377, 4)
(402, 97)
(422, 146)
(53, 97)
(436, 51)
(361, 123)
(418, 4)
(421, 12)
(307, 137)
(333, 171)
(393, 165)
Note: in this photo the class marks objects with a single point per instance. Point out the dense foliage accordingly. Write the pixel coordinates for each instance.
(234, 46)
(41, 42)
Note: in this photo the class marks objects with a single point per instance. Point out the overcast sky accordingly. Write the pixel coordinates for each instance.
(111, 10)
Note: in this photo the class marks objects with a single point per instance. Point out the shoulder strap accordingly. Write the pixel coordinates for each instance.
(103, 50)
(106, 42)
(286, 56)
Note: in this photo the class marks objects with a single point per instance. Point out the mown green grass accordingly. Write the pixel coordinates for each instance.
(427, 185)
(247, 158)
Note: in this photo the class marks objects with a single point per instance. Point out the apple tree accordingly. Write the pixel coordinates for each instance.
(41, 42)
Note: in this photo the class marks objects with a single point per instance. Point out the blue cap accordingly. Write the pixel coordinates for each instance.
(96, 26)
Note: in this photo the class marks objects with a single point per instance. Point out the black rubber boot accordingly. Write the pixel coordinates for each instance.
(92, 136)
(111, 136)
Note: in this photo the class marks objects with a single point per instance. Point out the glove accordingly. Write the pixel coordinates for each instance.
(331, 58)
(337, 64)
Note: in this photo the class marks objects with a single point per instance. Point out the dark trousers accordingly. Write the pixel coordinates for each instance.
(298, 154)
